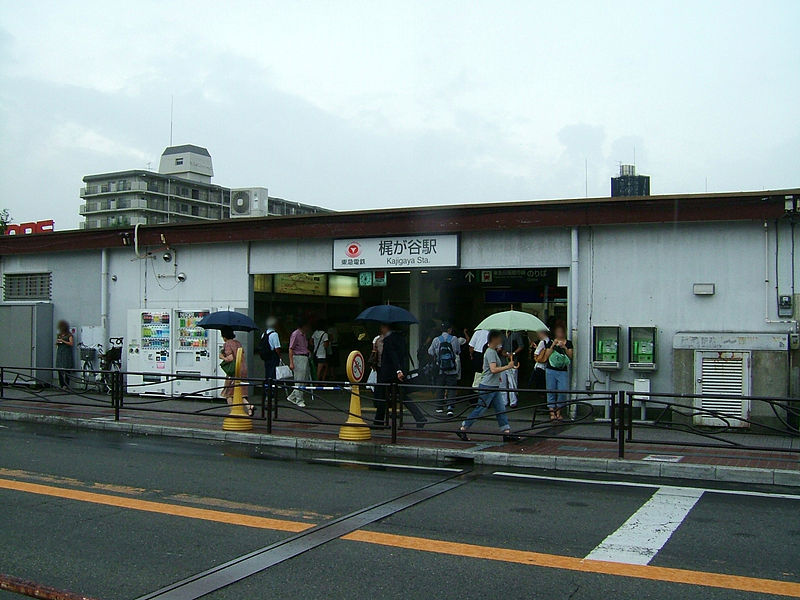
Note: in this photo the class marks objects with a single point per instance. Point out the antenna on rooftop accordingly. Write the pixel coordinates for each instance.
(171, 107)
(586, 176)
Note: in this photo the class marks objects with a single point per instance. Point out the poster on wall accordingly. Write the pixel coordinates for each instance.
(396, 252)
(305, 284)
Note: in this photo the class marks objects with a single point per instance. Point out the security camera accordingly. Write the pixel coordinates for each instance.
(167, 256)
(181, 277)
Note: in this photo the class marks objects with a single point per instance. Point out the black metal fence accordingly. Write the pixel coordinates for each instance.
(608, 417)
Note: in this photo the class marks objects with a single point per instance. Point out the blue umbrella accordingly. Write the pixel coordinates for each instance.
(227, 318)
(386, 313)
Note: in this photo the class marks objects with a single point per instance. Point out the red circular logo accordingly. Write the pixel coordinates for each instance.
(353, 250)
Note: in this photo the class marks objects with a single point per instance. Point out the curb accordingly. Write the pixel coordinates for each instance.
(296, 446)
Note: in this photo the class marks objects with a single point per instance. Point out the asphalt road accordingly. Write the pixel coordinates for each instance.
(115, 516)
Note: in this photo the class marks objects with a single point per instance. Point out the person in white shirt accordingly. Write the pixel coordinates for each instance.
(320, 345)
(538, 378)
(269, 348)
(477, 344)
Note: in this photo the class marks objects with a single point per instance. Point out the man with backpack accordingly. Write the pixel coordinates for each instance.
(445, 350)
(269, 348)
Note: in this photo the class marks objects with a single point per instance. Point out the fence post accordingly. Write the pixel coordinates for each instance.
(2, 382)
(629, 398)
(269, 391)
(116, 392)
(393, 409)
(621, 423)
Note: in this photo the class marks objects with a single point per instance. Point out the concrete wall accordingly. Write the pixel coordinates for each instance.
(643, 275)
(514, 249)
(291, 256)
(75, 279)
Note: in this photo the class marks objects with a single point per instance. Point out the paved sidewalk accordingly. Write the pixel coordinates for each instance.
(576, 447)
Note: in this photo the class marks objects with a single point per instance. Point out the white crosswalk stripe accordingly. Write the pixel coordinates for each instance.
(640, 538)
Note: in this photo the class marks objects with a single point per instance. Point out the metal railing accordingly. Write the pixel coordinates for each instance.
(611, 419)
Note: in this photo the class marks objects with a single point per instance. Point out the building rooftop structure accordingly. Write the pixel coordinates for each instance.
(180, 192)
(628, 183)
(577, 212)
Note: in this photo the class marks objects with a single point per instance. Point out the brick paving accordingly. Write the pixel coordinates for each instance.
(581, 440)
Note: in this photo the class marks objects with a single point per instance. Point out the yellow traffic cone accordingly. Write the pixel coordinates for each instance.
(234, 422)
(355, 428)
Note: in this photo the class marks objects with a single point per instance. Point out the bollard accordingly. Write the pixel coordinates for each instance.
(237, 419)
(355, 428)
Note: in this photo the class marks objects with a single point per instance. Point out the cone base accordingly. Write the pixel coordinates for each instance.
(229, 424)
(351, 433)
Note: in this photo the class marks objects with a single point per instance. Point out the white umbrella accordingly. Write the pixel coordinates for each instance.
(512, 320)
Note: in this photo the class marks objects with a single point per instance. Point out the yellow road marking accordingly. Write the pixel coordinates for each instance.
(718, 580)
(653, 573)
(164, 508)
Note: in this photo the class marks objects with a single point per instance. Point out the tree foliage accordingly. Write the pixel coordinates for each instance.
(5, 219)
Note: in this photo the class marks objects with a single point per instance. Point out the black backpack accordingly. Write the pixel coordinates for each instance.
(446, 357)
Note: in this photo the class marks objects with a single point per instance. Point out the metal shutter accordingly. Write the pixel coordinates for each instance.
(724, 373)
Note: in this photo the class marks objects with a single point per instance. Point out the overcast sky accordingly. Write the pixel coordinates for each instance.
(372, 104)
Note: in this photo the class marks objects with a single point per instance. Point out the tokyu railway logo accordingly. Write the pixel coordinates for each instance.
(353, 250)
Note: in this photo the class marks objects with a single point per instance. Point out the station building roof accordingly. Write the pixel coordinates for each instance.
(495, 216)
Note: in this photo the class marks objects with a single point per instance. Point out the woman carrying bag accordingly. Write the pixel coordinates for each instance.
(228, 365)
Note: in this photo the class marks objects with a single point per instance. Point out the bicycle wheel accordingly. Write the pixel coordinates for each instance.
(108, 378)
(86, 376)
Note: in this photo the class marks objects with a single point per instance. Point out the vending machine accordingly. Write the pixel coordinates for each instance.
(194, 355)
(150, 351)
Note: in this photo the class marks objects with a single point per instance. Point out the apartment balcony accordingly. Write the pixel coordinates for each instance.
(113, 188)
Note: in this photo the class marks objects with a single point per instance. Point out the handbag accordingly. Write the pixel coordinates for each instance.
(372, 379)
(282, 371)
(476, 381)
(229, 368)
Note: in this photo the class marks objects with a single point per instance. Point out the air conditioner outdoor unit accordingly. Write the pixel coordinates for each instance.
(249, 202)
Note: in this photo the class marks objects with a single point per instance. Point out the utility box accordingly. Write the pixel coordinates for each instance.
(605, 347)
(28, 340)
(642, 348)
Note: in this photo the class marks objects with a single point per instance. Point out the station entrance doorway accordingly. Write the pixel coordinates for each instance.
(462, 297)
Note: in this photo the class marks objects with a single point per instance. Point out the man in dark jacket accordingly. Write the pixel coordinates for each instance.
(393, 369)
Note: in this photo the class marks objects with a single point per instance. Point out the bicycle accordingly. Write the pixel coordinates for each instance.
(88, 375)
(110, 363)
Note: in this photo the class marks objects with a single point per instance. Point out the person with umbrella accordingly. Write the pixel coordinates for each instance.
(394, 357)
(227, 322)
(393, 369)
(488, 390)
(228, 356)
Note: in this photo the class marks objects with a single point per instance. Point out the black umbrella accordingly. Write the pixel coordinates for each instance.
(386, 313)
(227, 319)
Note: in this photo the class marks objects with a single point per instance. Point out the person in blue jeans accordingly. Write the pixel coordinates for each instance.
(489, 394)
(558, 355)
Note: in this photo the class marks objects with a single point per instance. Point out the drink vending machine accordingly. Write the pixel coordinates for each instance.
(194, 356)
(170, 354)
(149, 358)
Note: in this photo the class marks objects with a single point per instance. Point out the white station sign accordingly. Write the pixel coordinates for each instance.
(401, 252)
